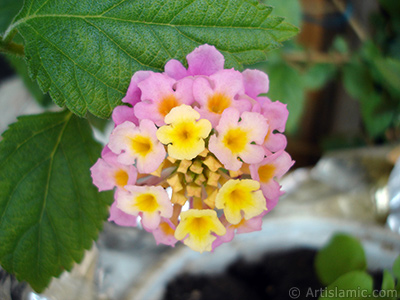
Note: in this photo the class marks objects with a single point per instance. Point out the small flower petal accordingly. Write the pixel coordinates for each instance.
(124, 113)
(108, 173)
(133, 94)
(219, 92)
(165, 233)
(120, 218)
(237, 196)
(174, 69)
(244, 226)
(204, 60)
(236, 139)
(255, 83)
(196, 228)
(183, 134)
(138, 144)
(150, 202)
(160, 94)
(276, 114)
(273, 166)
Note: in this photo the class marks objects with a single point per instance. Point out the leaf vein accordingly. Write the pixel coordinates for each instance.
(77, 195)
(40, 7)
(31, 137)
(69, 58)
(159, 40)
(237, 27)
(16, 187)
(179, 12)
(115, 43)
(112, 7)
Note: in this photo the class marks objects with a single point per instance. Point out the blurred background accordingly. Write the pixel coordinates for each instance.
(340, 76)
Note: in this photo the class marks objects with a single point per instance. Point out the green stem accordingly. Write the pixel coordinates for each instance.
(11, 48)
(8, 37)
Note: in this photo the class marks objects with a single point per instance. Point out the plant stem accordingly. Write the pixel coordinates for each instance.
(7, 38)
(11, 48)
(316, 57)
(354, 24)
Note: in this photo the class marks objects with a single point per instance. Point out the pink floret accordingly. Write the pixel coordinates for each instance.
(204, 60)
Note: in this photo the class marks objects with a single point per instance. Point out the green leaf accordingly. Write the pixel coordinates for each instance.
(396, 268)
(318, 75)
(353, 285)
(85, 52)
(388, 286)
(391, 6)
(8, 10)
(377, 110)
(357, 80)
(50, 212)
(377, 118)
(340, 45)
(341, 255)
(389, 71)
(287, 87)
(396, 273)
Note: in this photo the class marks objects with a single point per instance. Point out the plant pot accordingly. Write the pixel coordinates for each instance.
(279, 234)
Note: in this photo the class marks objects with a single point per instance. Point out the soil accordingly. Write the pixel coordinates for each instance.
(272, 277)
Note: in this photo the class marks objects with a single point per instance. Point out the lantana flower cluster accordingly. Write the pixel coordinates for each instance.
(195, 152)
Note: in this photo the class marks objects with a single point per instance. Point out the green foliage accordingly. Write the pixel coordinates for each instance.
(318, 75)
(340, 45)
(352, 285)
(396, 268)
(389, 74)
(373, 74)
(84, 53)
(371, 79)
(289, 85)
(50, 212)
(8, 10)
(388, 285)
(341, 265)
(396, 273)
(342, 254)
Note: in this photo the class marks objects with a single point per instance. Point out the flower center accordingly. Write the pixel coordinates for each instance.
(166, 104)
(166, 229)
(183, 133)
(141, 145)
(236, 197)
(147, 203)
(199, 226)
(121, 178)
(266, 172)
(218, 102)
(235, 140)
(267, 135)
(241, 223)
